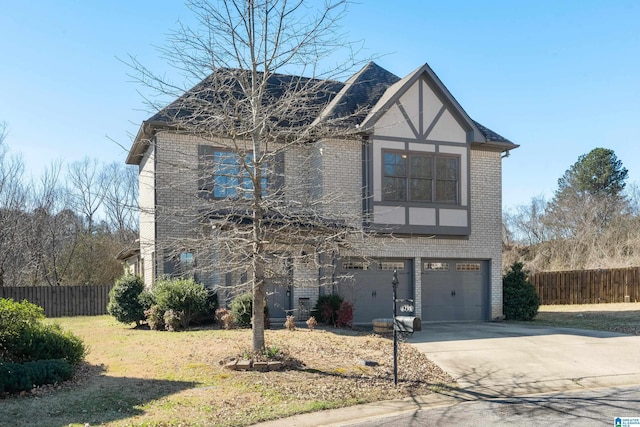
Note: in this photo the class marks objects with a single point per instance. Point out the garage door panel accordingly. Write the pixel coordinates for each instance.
(454, 290)
(436, 298)
(370, 290)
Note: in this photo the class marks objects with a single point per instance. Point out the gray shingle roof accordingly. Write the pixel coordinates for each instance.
(489, 134)
(217, 89)
(352, 100)
(360, 93)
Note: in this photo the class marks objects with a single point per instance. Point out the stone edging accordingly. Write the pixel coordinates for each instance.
(250, 365)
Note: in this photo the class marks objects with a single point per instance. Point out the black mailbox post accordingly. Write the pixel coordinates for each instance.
(405, 324)
(394, 283)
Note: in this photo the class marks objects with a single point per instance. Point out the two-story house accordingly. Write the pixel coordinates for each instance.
(415, 171)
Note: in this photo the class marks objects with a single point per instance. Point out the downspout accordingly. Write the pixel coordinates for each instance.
(366, 179)
(154, 258)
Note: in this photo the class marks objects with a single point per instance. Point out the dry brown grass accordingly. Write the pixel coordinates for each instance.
(148, 378)
(621, 317)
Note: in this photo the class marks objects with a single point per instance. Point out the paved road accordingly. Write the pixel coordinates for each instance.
(584, 408)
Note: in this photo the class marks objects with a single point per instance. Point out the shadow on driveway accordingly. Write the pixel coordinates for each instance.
(507, 359)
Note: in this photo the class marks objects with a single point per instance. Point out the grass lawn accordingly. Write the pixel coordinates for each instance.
(620, 317)
(138, 377)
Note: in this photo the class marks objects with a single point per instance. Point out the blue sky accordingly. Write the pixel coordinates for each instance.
(557, 77)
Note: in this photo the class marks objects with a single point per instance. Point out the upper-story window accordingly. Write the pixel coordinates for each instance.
(420, 177)
(225, 175)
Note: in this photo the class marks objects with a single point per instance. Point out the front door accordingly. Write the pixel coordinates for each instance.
(278, 283)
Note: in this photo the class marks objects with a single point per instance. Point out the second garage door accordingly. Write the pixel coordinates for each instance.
(455, 290)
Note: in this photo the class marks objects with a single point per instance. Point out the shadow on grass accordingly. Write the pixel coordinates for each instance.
(96, 400)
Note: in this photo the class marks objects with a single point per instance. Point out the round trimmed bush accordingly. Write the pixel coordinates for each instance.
(124, 300)
(242, 309)
(521, 302)
(182, 296)
(24, 338)
(16, 316)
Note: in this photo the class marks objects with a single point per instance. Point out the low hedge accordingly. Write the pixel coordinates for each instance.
(45, 342)
(17, 377)
(25, 338)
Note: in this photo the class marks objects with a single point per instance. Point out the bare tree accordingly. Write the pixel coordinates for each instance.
(54, 229)
(13, 197)
(120, 200)
(528, 221)
(3, 131)
(52, 233)
(250, 218)
(87, 188)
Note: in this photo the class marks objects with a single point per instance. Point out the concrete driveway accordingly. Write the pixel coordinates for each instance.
(504, 359)
(493, 360)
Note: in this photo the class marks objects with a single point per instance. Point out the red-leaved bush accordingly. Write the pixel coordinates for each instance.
(345, 315)
(328, 314)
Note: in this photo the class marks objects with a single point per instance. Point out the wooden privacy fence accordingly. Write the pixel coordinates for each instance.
(588, 286)
(59, 301)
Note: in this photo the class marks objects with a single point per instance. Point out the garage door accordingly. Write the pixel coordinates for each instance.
(455, 290)
(367, 284)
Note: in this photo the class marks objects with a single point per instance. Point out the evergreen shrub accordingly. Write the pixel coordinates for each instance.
(183, 296)
(124, 300)
(17, 377)
(24, 338)
(46, 341)
(521, 302)
(15, 317)
(242, 309)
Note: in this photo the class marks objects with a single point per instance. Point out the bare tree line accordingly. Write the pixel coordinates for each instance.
(590, 223)
(67, 226)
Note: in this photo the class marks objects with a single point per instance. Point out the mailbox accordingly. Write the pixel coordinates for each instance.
(407, 324)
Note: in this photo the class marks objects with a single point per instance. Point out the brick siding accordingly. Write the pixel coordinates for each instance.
(330, 171)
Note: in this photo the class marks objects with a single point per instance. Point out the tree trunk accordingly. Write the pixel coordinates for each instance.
(258, 258)
(257, 316)
(258, 309)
